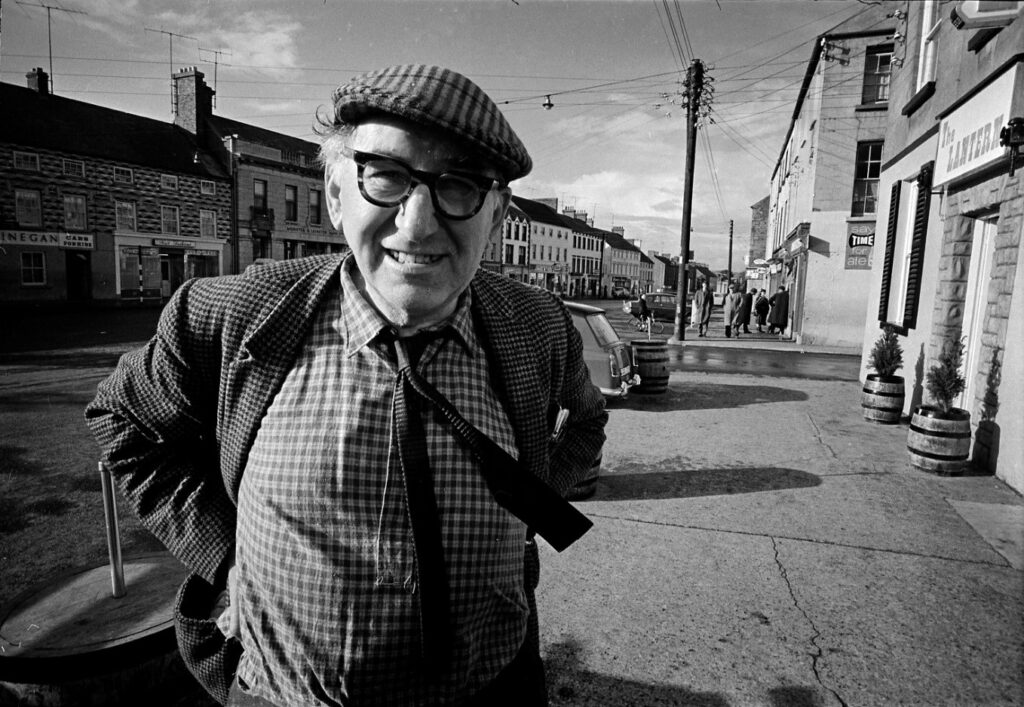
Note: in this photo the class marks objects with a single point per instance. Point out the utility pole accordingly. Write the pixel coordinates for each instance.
(170, 63)
(730, 251)
(694, 83)
(49, 36)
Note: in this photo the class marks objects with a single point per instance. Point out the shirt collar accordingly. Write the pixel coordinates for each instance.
(360, 323)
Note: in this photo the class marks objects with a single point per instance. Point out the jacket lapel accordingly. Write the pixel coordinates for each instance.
(263, 359)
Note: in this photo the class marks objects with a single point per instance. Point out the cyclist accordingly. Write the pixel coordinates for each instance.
(644, 314)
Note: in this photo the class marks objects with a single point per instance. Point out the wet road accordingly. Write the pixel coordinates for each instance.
(740, 356)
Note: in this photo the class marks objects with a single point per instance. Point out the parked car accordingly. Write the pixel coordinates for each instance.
(607, 357)
(619, 292)
(661, 304)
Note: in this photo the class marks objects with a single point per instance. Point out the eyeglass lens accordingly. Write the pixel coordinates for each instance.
(390, 182)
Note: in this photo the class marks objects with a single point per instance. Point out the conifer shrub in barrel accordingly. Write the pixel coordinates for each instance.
(939, 440)
(884, 392)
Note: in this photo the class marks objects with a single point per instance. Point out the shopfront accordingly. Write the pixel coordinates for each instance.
(153, 268)
(40, 266)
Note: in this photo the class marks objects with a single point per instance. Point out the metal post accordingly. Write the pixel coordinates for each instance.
(117, 589)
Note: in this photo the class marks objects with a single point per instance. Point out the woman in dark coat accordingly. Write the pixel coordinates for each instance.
(761, 308)
(778, 318)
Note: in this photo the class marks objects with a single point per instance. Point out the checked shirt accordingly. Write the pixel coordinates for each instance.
(324, 553)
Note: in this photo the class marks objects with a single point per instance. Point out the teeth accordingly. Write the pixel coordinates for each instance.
(415, 258)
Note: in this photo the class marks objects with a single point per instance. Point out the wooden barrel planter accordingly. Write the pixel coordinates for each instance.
(882, 399)
(69, 642)
(937, 443)
(651, 360)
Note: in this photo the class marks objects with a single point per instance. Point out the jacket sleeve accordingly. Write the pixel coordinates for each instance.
(154, 419)
(575, 451)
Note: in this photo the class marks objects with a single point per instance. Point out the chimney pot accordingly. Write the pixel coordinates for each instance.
(38, 80)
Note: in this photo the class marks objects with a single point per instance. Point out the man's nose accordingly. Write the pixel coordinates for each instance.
(416, 215)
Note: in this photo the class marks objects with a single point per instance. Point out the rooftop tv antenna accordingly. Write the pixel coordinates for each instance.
(170, 47)
(216, 60)
(49, 36)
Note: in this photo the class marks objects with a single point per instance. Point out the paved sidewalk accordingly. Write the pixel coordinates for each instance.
(756, 542)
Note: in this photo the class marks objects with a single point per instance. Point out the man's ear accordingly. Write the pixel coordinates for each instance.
(332, 187)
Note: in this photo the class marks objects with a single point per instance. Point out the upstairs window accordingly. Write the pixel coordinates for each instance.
(865, 181)
(877, 70)
(124, 212)
(931, 22)
(28, 207)
(169, 220)
(259, 196)
(291, 203)
(169, 182)
(207, 223)
(315, 214)
(123, 175)
(74, 212)
(207, 187)
(74, 168)
(28, 161)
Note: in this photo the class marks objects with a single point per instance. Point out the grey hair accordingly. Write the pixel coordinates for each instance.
(334, 134)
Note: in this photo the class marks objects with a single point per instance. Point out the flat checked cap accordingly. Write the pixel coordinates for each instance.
(441, 99)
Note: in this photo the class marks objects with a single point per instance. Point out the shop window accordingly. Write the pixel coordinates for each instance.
(207, 188)
(877, 69)
(33, 268)
(291, 202)
(315, 213)
(902, 267)
(259, 196)
(124, 212)
(28, 161)
(169, 220)
(74, 168)
(169, 182)
(28, 209)
(207, 223)
(75, 218)
(868, 167)
(123, 175)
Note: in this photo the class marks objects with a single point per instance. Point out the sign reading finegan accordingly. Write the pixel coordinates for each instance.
(969, 136)
(49, 239)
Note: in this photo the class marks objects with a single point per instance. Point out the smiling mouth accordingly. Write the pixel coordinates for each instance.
(404, 258)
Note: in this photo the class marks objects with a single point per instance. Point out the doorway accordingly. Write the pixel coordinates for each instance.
(78, 272)
(975, 303)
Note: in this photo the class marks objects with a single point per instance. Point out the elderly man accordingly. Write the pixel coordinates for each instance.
(358, 448)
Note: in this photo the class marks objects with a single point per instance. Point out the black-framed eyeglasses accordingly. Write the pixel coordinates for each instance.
(386, 181)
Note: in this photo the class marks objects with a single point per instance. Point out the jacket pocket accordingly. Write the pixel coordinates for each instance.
(210, 656)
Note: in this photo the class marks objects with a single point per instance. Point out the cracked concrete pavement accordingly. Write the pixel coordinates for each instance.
(756, 542)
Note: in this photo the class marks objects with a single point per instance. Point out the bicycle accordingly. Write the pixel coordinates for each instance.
(648, 323)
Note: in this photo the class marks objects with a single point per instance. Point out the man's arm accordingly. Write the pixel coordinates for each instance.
(154, 419)
(577, 448)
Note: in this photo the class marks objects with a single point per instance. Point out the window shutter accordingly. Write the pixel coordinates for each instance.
(924, 199)
(890, 250)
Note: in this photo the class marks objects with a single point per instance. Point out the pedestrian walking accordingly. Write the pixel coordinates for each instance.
(704, 300)
(732, 306)
(778, 317)
(325, 444)
(746, 309)
(761, 308)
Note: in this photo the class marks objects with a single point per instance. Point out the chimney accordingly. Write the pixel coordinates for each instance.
(38, 81)
(193, 100)
(619, 230)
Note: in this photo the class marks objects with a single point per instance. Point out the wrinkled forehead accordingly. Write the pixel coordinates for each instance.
(423, 147)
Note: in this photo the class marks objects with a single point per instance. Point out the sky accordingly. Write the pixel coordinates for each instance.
(612, 143)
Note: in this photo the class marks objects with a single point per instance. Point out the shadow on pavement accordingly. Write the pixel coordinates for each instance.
(708, 396)
(570, 683)
(689, 483)
(105, 357)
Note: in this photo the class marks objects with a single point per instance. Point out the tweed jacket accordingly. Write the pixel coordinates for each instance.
(177, 418)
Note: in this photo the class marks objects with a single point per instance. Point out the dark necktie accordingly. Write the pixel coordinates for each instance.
(435, 627)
